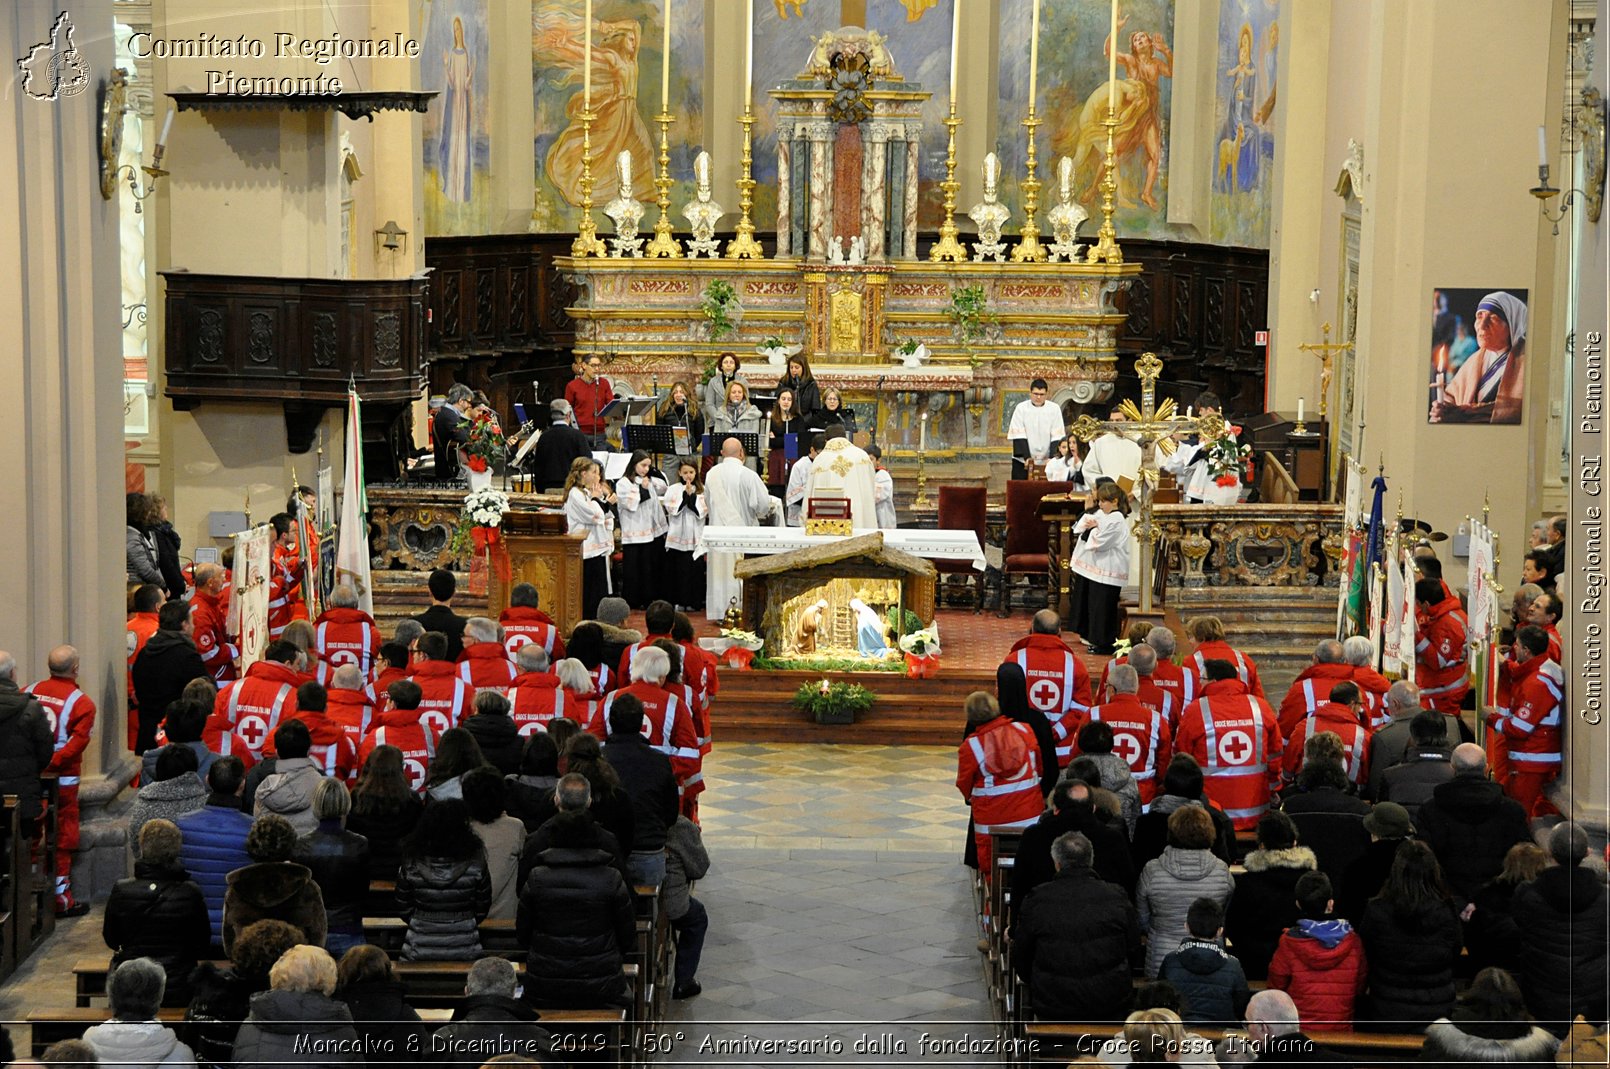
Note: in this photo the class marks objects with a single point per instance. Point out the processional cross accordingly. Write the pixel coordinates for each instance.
(1326, 351)
(1153, 426)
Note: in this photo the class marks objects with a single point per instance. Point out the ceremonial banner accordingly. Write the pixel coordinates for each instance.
(248, 599)
(352, 553)
(1376, 622)
(324, 522)
(1483, 608)
(1352, 519)
(1393, 652)
(1406, 643)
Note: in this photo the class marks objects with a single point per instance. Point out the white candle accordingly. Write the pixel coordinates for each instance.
(167, 125)
(1542, 147)
(587, 58)
(665, 64)
(1034, 54)
(1300, 403)
(922, 435)
(955, 47)
(749, 52)
(1112, 65)
(1188, 410)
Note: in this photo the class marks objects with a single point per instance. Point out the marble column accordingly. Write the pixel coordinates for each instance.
(874, 198)
(821, 198)
(785, 163)
(909, 225)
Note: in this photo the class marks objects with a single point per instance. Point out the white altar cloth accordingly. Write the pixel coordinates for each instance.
(930, 545)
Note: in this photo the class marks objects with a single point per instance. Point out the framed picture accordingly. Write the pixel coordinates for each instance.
(1478, 355)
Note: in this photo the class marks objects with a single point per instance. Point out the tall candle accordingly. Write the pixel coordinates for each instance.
(665, 64)
(1112, 64)
(587, 58)
(749, 52)
(922, 435)
(1034, 54)
(167, 125)
(1542, 147)
(1300, 403)
(955, 47)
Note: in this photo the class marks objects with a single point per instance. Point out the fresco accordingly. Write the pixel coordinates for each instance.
(1244, 154)
(454, 61)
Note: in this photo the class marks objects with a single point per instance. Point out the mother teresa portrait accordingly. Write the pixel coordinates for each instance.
(1488, 383)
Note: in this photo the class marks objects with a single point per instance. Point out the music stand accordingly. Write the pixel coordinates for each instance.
(748, 439)
(658, 440)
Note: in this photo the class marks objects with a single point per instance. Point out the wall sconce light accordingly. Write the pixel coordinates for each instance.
(1586, 120)
(391, 237)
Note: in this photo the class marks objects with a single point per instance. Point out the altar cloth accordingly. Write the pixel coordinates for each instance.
(930, 545)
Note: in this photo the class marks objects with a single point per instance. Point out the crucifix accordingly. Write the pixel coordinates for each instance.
(1326, 351)
(1153, 426)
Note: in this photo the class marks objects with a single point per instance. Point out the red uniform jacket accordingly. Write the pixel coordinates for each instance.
(623, 671)
(347, 636)
(1141, 736)
(253, 707)
(486, 666)
(447, 698)
(604, 679)
(1059, 686)
(71, 714)
(1508, 668)
(1372, 686)
(668, 726)
(1308, 692)
(1179, 681)
(1439, 657)
(1324, 981)
(586, 398)
(407, 730)
(998, 773)
(536, 698)
(284, 587)
(385, 677)
(141, 626)
(1329, 716)
(522, 624)
(333, 750)
(221, 740)
(1235, 738)
(1531, 724)
(212, 642)
(1245, 666)
(353, 710)
(699, 669)
(1154, 696)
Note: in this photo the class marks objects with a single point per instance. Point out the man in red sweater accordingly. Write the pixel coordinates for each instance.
(485, 663)
(211, 604)
(588, 395)
(71, 714)
(1440, 654)
(253, 707)
(1313, 684)
(1342, 713)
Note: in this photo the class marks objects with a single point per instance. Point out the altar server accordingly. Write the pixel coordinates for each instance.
(1036, 424)
(1189, 464)
(684, 538)
(1101, 568)
(639, 496)
(1112, 456)
(882, 490)
(586, 498)
(734, 496)
(1063, 466)
(799, 480)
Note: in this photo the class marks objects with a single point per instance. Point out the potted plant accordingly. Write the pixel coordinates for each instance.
(485, 450)
(776, 350)
(911, 352)
(740, 647)
(833, 703)
(721, 308)
(922, 652)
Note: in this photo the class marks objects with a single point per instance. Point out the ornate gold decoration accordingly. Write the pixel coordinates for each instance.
(845, 322)
(1028, 248)
(743, 246)
(663, 244)
(1326, 351)
(948, 247)
(1106, 249)
(819, 525)
(587, 242)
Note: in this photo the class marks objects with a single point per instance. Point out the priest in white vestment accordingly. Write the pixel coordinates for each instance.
(734, 496)
(843, 469)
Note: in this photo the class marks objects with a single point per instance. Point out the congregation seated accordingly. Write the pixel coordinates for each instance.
(1489, 1023)
(456, 753)
(1320, 959)
(1211, 983)
(183, 726)
(530, 791)
(1058, 682)
(1328, 815)
(484, 664)
(1491, 934)
(223, 993)
(288, 790)
(492, 1016)
(572, 795)
(331, 748)
(385, 810)
(175, 791)
(1412, 942)
(1182, 786)
(495, 731)
(214, 838)
(1071, 810)
(1424, 766)
(1470, 823)
(273, 887)
(1388, 825)
(1094, 743)
(1208, 634)
(297, 1019)
(649, 784)
(1168, 885)
(1243, 770)
(339, 861)
(159, 914)
(1265, 901)
(133, 1037)
(443, 887)
(1342, 714)
(501, 837)
(368, 986)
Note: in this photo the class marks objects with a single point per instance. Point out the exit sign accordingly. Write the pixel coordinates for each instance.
(1260, 338)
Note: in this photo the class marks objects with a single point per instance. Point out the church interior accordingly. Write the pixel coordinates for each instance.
(1260, 244)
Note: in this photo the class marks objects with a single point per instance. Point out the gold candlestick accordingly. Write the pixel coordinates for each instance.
(922, 500)
(663, 244)
(1106, 247)
(1028, 248)
(587, 242)
(948, 247)
(744, 246)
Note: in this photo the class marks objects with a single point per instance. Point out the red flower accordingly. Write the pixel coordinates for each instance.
(1226, 480)
(1235, 430)
(476, 464)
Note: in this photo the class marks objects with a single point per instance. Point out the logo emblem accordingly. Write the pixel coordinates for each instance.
(1045, 694)
(1128, 747)
(1235, 747)
(54, 69)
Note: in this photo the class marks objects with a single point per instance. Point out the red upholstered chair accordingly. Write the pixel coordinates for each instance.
(964, 508)
(1028, 539)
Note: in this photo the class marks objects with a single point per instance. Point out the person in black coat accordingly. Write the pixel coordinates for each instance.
(1071, 810)
(339, 861)
(168, 662)
(1212, 983)
(443, 584)
(496, 732)
(223, 995)
(26, 745)
(1077, 940)
(1265, 899)
(491, 1014)
(646, 777)
(1412, 942)
(1182, 785)
(1470, 824)
(451, 427)
(169, 561)
(1388, 825)
(378, 1002)
(573, 795)
(549, 460)
(1491, 933)
(530, 794)
(576, 921)
(1563, 940)
(1424, 767)
(807, 394)
(1329, 817)
(159, 912)
(443, 886)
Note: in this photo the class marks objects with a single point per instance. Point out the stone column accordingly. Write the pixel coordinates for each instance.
(785, 161)
(874, 198)
(909, 224)
(821, 191)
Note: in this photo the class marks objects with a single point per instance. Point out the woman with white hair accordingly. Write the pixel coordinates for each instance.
(296, 1019)
(133, 1039)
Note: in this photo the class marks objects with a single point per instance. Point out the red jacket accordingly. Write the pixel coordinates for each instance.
(1141, 736)
(347, 636)
(623, 671)
(1531, 724)
(486, 666)
(1439, 657)
(1508, 668)
(1330, 716)
(1058, 683)
(385, 677)
(535, 698)
(447, 698)
(222, 740)
(333, 750)
(141, 626)
(699, 670)
(407, 730)
(212, 641)
(1372, 686)
(1235, 738)
(354, 710)
(1245, 666)
(253, 707)
(1324, 977)
(1155, 696)
(1309, 691)
(522, 624)
(1180, 682)
(586, 398)
(998, 773)
(284, 587)
(71, 715)
(668, 726)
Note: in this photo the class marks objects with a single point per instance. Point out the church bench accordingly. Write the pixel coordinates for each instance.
(1363, 1048)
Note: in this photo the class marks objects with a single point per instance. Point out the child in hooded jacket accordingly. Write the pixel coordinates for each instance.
(1320, 959)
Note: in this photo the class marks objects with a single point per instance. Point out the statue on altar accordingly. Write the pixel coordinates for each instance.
(624, 211)
(702, 212)
(1066, 216)
(990, 215)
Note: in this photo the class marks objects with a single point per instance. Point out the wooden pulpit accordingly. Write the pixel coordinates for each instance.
(543, 554)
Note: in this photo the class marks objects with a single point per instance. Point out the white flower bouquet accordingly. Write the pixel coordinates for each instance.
(776, 351)
(485, 508)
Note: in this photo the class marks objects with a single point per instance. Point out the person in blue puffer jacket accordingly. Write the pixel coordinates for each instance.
(215, 838)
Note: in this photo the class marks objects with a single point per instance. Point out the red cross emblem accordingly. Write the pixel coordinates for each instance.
(416, 772)
(531, 727)
(1045, 694)
(434, 720)
(515, 641)
(253, 729)
(1128, 747)
(1235, 747)
(341, 657)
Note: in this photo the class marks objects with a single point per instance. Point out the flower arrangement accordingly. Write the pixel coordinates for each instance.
(1228, 460)
(922, 651)
(480, 525)
(833, 703)
(776, 350)
(741, 647)
(486, 447)
(911, 352)
(721, 308)
(970, 313)
(741, 637)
